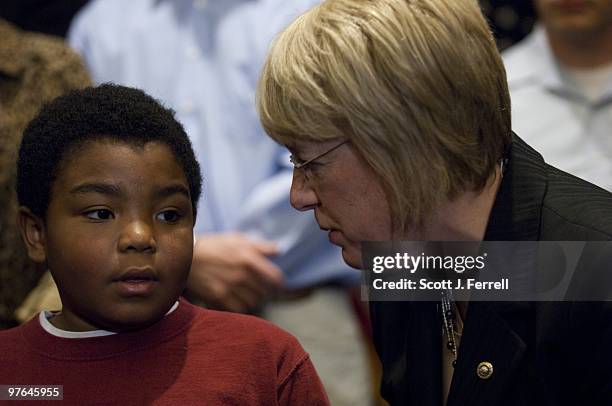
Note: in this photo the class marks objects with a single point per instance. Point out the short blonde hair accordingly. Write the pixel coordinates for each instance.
(417, 86)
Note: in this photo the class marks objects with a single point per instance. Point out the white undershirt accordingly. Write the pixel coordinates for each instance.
(45, 315)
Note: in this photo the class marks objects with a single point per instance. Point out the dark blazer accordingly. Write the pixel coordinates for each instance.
(542, 353)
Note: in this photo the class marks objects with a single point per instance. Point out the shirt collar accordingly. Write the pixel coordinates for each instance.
(547, 69)
(45, 315)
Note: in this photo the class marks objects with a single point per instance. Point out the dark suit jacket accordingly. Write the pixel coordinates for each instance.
(542, 353)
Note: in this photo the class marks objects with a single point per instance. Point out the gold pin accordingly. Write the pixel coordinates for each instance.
(484, 370)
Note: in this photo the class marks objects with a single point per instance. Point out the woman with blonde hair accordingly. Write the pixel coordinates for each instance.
(397, 116)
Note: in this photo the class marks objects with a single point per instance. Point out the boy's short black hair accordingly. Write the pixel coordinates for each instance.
(106, 112)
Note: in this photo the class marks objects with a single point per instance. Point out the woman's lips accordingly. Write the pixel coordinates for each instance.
(334, 237)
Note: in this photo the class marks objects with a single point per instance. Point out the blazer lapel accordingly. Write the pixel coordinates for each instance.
(423, 355)
(500, 332)
(489, 336)
(517, 211)
(408, 339)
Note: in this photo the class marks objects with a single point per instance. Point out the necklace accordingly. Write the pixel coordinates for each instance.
(449, 326)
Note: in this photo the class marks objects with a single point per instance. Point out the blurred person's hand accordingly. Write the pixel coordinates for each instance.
(233, 272)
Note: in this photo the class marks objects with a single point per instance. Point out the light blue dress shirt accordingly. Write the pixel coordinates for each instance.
(550, 112)
(202, 59)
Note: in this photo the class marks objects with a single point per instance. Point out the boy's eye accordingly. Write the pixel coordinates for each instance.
(99, 214)
(169, 216)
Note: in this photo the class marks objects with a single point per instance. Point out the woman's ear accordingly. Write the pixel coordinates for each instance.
(32, 229)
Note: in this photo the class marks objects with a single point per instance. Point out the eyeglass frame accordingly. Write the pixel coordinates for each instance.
(300, 165)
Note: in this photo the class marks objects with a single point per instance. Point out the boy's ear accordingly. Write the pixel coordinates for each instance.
(32, 230)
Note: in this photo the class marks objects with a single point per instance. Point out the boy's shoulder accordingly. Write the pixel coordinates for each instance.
(246, 330)
(254, 349)
(10, 336)
(206, 331)
(206, 325)
(13, 343)
(14, 333)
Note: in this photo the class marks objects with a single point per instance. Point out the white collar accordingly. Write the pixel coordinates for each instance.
(548, 69)
(45, 315)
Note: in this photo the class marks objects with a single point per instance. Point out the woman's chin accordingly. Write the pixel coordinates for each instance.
(352, 257)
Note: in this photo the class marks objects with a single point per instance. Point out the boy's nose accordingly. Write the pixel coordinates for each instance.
(137, 236)
(302, 196)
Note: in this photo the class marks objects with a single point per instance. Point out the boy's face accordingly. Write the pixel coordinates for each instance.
(118, 236)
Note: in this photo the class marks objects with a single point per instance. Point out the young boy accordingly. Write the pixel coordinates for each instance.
(108, 187)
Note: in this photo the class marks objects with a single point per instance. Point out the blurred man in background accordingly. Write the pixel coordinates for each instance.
(560, 80)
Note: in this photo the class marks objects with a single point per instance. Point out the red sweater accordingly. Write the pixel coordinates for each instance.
(192, 356)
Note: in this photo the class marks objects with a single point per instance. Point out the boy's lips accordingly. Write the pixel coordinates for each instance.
(136, 282)
(135, 274)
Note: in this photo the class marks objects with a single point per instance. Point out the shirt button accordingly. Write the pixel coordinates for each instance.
(484, 370)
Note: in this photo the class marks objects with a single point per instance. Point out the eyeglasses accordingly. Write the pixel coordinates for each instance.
(298, 165)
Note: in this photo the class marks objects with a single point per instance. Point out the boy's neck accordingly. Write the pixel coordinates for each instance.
(65, 322)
